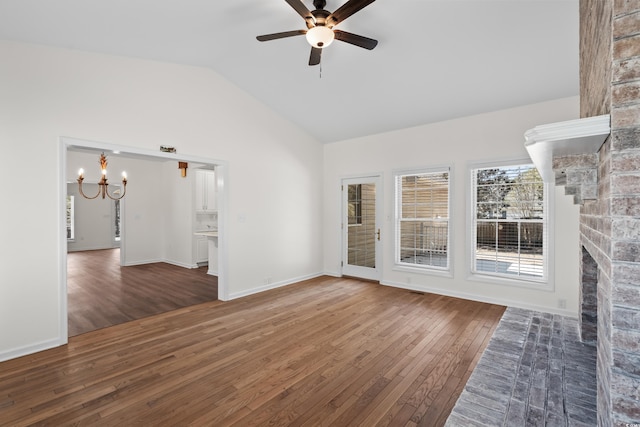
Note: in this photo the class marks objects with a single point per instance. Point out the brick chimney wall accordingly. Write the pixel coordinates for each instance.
(610, 225)
(595, 57)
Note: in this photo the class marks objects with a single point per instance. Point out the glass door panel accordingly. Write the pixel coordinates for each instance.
(361, 230)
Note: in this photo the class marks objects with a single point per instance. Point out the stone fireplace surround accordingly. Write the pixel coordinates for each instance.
(610, 267)
(610, 223)
(606, 184)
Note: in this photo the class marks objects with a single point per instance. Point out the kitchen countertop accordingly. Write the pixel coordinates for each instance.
(207, 233)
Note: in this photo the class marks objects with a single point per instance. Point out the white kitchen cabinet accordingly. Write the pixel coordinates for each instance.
(213, 256)
(206, 192)
(202, 249)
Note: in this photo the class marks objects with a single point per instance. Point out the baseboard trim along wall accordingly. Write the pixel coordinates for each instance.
(180, 264)
(472, 297)
(148, 261)
(30, 349)
(273, 286)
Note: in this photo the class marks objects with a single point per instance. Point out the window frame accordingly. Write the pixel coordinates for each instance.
(546, 282)
(397, 201)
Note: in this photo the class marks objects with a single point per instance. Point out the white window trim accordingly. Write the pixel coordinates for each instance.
(545, 284)
(426, 269)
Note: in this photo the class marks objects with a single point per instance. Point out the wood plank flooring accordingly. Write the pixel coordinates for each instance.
(327, 351)
(100, 293)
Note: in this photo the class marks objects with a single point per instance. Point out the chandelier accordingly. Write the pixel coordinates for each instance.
(102, 185)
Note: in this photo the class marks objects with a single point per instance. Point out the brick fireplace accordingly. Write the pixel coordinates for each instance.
(607, 185)
(597, 160)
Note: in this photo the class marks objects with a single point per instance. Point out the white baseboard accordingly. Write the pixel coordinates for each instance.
(180, 264)
(166, 261)
(481, 298)
(78, 248)
(30, 349)
(143, 262)
(272, 286)
(332, 273)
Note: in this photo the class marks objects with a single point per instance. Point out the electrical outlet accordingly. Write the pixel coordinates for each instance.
(408, 280)
(562, 303)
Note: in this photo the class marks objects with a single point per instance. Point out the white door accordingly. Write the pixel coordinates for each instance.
(361, 227)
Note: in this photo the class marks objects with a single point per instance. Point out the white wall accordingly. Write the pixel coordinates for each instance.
(93, 219)
(177, 228)
(486, 137)
(273, 194)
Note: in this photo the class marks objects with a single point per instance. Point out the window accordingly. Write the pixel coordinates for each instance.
(70, 217)
(422, 219)
(355, 204)
(509, 222)
(116, 218)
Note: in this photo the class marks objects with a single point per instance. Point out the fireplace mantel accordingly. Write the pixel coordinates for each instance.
(573, 137)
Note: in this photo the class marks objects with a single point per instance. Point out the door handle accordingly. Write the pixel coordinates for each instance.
(378, 233)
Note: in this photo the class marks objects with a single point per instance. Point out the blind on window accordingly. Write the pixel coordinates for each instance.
(509, 222)
(423, 219)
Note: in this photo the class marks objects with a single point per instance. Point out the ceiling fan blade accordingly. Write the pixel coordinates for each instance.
(346, 10)
(316, 54)
(355, 39)
(302, 10)
(282, 35)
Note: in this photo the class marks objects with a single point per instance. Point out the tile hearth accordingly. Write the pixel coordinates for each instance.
(535, 371)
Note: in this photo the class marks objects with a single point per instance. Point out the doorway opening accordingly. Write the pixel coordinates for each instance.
(164, 274)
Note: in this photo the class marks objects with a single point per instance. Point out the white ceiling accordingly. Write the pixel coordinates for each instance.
(436, 59)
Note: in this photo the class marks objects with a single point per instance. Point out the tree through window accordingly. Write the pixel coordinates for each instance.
(509, 222)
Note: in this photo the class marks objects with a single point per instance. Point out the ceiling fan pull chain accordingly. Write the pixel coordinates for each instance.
(320, 70)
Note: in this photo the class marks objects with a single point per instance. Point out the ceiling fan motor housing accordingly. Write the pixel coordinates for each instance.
(320, 16)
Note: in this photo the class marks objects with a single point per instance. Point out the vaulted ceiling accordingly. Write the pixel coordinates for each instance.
(436, 59)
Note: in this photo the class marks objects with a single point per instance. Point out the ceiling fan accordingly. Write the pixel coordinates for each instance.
(320, 30)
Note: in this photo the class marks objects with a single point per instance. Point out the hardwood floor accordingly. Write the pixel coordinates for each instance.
(327, 351)
(100, 293)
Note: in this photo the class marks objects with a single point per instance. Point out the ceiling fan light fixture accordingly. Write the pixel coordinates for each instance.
(319, 27)
(320, 36)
